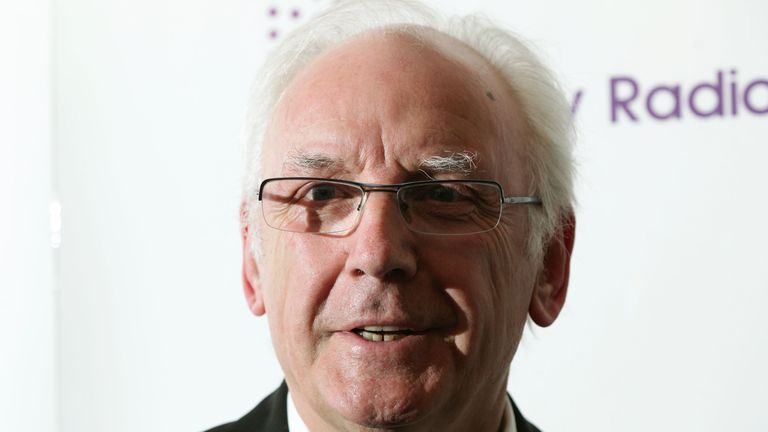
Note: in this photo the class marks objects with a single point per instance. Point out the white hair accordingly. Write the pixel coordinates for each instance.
(547, 112)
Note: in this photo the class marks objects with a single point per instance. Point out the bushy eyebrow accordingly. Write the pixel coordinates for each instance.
(312, 161)
(454, 163)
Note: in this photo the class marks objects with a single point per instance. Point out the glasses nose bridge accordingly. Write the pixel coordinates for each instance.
(380, 188)
(368, 188)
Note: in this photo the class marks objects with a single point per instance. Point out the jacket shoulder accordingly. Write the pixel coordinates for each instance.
(521, 423)
(270, 415)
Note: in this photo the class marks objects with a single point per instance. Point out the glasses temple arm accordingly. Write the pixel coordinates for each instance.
(520, 200)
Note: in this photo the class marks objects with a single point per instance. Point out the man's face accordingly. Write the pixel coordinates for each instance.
(372, 110)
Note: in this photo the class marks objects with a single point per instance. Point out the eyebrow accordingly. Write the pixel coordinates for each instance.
(463, 163)
(454, 163)
(312, 161)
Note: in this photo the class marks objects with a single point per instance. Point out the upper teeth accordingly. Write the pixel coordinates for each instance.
(382, 333)
(384, 328)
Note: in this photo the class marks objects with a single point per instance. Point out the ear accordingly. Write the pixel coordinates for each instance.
(552, 284)
(251, 280)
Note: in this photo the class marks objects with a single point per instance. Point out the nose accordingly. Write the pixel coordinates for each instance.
(382, 245)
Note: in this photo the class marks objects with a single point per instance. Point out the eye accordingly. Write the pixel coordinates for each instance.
(322, 192)
(439, 194)
(443, 194)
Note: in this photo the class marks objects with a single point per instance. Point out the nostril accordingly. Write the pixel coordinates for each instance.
(393, 275)
(396, 274)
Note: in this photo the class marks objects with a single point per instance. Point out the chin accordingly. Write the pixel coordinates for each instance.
(387, 400)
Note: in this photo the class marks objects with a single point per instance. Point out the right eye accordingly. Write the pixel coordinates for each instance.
(322, 192)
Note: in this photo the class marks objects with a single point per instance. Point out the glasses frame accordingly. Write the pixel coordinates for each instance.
(395, 188)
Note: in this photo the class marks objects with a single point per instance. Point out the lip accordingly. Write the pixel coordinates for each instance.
(411, 326)
(404, 346)
(378, 333)
(398, 334)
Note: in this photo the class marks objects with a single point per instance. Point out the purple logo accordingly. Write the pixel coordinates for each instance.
(274, 13)
(283, 18)
(724, 95)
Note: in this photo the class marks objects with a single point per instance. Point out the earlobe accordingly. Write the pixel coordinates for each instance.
(251, 280)
(552, 284)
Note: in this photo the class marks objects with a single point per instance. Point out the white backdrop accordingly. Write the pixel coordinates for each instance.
(27, 313)
(663, 328)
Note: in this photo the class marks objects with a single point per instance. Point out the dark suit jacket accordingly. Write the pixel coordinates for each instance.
(271, 415)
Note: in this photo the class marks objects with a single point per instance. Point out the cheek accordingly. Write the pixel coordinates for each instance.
(486, 278)
(299, 273)
(464, 269)
(513, 275)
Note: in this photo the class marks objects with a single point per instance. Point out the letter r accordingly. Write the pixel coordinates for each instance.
(618, 103)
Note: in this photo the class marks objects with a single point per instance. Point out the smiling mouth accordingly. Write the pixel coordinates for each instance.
(383, 333)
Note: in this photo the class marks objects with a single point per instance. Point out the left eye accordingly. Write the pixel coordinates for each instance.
(443, 194)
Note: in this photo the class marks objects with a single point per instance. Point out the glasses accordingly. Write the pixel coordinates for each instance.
(442, 207)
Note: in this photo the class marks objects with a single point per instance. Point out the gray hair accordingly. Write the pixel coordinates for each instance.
(547, 112)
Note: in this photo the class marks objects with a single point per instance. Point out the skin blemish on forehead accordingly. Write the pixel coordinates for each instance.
(490, 96)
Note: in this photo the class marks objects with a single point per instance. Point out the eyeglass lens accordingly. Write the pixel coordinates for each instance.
(323, 206)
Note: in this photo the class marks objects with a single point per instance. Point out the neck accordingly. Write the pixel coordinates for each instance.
(482, 414)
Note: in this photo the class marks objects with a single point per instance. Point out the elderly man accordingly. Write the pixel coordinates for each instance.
(407, 208)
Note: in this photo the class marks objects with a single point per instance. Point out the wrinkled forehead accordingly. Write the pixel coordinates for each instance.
(398, 64)
(431, 80)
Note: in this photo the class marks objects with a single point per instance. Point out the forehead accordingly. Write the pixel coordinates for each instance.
(389, 100)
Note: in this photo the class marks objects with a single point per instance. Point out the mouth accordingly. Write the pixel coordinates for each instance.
(383, 333)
